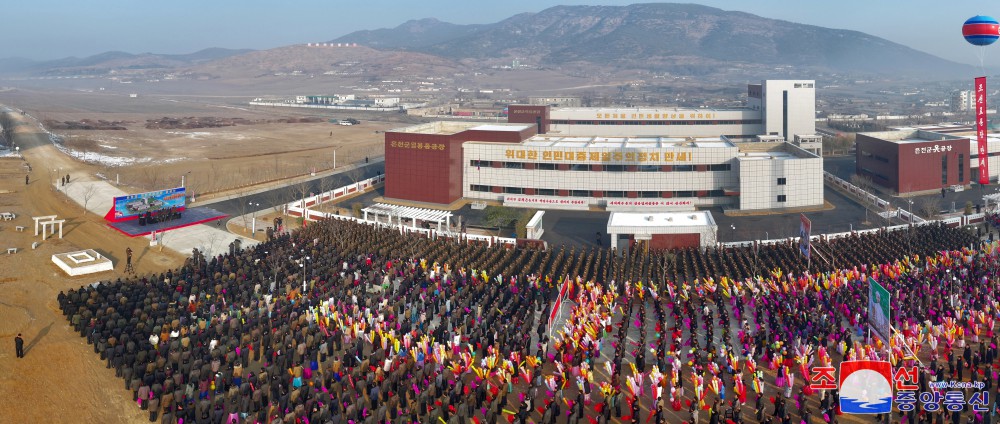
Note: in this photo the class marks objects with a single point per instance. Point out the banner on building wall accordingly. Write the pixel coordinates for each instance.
(981, 122)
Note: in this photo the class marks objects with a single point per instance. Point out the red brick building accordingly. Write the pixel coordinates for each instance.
(425, 161)
(910, 161)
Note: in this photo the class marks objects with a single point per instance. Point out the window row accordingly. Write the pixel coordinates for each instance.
(638, 122)
(479, 164)
(593, 193)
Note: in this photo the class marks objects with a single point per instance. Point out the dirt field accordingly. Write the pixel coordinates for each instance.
(211, 159)
(60, 379)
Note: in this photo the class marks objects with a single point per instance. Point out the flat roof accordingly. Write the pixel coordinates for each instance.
(766, 156)
(453, 127)
(911, 135)
(661, 219)
(652, 109)
(500, 127)
(627, 142)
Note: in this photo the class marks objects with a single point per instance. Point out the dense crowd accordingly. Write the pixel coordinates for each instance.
(342, 322)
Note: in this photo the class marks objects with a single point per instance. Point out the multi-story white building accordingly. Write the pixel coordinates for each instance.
(963, 101)
(785, 108)
(642, 173)
(761, 157)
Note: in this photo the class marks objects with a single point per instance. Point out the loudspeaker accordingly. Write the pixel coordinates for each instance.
(142, 221)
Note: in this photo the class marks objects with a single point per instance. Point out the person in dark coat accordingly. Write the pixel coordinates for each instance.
(19, 345)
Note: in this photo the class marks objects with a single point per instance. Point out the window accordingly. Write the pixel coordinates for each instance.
(944, 170)
(649, 168)
(649, 194)
(781, 198)
(513, 190)
(614, 194)
(579, 167)
(782, 181)
(546, 166)
(716, 193)
(961, 167)
(478, 187)
(513, 165)
(720, 167)
(579, 193)
(614, 168)
(545, 192)
(685, 194)
(683, 168)
(481, 163)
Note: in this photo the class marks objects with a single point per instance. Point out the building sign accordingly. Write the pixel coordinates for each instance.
(984, 163)
(660, 116)
(624, 205)
(416, 145)
(604, 157)
(932, 149)
(546, 202)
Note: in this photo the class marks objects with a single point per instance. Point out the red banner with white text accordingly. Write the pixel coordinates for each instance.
(984, 161)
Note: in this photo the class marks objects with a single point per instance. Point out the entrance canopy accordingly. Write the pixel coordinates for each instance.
(406, 212)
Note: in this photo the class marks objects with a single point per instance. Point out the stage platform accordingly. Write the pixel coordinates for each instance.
(191, 216)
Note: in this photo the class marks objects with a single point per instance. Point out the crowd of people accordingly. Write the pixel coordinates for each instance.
(347, 323)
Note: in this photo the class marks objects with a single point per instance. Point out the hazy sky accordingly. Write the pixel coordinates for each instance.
(49, 29)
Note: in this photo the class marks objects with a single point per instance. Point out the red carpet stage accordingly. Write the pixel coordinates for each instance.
(191, 216)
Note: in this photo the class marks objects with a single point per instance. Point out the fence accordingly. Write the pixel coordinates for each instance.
(300, 208)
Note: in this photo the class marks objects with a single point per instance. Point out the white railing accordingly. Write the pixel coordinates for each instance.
(301, 207)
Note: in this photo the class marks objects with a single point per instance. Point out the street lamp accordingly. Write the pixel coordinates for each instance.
(909, 230)
(305, 261)
(733, 234)
(253, 220)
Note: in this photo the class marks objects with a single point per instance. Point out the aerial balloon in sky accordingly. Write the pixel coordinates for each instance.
(981, 30)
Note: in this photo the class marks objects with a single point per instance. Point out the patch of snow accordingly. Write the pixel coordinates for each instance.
(107, 146)
(101, 159)
(194, 135)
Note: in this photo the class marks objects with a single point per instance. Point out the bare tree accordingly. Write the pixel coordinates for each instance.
(150, 177)
(212, 239)
(863, 182)
(927, 207)
(354, 174)
(302, 189)
(278, 198)
(88, 192)
(325, 185)
(242, 204)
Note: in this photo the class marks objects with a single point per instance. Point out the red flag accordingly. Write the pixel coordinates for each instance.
(557, 304)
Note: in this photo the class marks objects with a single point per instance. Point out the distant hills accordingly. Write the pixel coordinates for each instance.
(661, 36)
(109, 61)
(680, 39)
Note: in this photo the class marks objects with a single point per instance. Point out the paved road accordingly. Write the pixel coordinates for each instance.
(844, 167)
(234, 205)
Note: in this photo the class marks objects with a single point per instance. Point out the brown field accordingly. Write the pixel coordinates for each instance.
(61, 380)
(211, 159)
